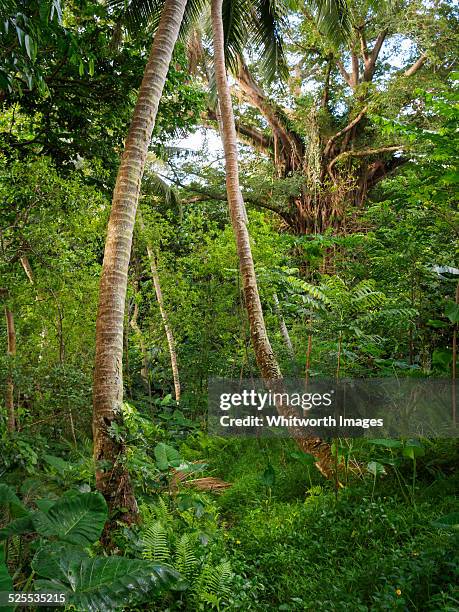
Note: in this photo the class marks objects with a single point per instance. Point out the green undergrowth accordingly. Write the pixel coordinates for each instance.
(301, 546)
(279, 538)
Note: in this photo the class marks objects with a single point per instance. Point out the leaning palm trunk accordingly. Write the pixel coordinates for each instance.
(11, 352)
(162, 310)
(114, 482)
(264, 354)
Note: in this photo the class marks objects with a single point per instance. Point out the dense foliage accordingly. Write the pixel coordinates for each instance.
(351, 194)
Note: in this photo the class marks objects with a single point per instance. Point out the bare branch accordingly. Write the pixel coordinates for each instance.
(292, 144)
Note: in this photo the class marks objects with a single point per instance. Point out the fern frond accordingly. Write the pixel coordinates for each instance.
(163, 512)
(185, 560)
(155, 546)
(214, 583)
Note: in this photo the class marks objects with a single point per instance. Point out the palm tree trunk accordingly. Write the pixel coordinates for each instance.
(263, 352)
(108, 382)
(264, 355)
(162, 310)
(11, 352)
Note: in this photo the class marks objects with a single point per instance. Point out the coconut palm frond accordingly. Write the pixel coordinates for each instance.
(267, 18)
(154, 185)
(235, 16)
(333, 18)
(135, 14)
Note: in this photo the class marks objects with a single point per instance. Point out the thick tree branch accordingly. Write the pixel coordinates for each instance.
(419, 63)
(362, 153)
(370, 62)
(344, 73)
(355, 70)
(291, 143)
(348, 127)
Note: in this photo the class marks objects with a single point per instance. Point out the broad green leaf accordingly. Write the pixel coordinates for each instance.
(100, 584)
(305, 458)
(452, 312)
(57, 463)
(77, 519)
(436, 323)
(45, 504)
(375, 468)
(268, 477)
(413, 449)
(21, 525)
(166, 456)
(442, 357)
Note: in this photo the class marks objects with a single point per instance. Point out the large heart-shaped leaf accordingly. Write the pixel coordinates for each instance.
(375, 468)
(100, 584)
(78, 518)
(166, 456)
(452, 312)
(413, 449)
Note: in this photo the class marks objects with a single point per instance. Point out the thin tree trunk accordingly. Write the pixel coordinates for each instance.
(283, 328)
(162, 310)
(263, 352)
(167, 327)
(28, 269)
(135, 326)
(31, 276)
(114, 483)
(264, 355)
(11, 352)
(308, 360)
